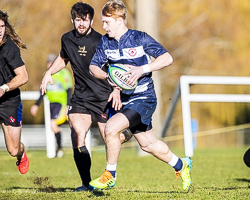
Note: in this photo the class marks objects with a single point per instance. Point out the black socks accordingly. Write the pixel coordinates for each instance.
(83, 164)
(58, 140)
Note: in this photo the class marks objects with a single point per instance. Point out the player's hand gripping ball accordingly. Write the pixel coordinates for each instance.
(116, 75)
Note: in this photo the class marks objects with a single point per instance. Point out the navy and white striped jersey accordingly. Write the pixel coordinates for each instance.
(134, 48)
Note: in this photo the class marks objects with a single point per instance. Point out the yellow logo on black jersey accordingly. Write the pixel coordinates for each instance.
(82, 51)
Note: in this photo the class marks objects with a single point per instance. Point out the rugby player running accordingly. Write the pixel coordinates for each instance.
(89, 101)
(13, 75)
(133, 48)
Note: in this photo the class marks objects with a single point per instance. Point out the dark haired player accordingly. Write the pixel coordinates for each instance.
(90, 98)
(13, 74)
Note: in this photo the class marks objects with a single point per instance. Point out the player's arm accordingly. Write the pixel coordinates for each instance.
(20, 79)
(58, 64)
(115, 95)
(160, 62)
(35, 106)
(97, 72)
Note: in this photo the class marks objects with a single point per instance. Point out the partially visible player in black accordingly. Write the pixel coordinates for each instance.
(246, 157)
(89, 101)
(13, 74)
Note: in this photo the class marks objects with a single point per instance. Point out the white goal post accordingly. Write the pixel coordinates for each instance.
(187, 98)
(50, 136)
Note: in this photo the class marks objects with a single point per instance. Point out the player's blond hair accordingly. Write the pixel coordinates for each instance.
(115, 9)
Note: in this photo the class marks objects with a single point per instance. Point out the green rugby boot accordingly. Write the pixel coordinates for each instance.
(185, 173)
(106, 180)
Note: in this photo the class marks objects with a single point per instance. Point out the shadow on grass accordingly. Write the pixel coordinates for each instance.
(49, 189)
(54, 190)
(162, 192)
(227, 188)
(243, 180)
(101, 193)
(98, 193)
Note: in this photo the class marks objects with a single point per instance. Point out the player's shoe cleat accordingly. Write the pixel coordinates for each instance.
(83, 188)
(185, 173)
(23, 164)
(105, 181)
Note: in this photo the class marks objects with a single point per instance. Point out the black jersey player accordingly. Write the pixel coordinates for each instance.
(13, 74)
(89, 101)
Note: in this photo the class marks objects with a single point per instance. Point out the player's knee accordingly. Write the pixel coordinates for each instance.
(109, 132)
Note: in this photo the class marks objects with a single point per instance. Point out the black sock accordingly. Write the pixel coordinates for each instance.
(83, 164)
(58, 140)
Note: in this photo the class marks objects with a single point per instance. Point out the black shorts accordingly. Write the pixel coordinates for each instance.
(58, 112)
(55, 110)
(135, 123)
(11, 113)
(98, 111)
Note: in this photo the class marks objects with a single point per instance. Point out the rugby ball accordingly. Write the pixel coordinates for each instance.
(116, 75)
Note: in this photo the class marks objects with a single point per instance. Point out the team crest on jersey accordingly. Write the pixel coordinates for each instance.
(82, 51)
(132, 52)
(11, 119)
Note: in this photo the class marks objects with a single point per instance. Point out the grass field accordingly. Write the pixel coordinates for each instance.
(217, 174)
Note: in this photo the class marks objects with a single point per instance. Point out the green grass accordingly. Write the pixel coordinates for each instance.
(217, 174)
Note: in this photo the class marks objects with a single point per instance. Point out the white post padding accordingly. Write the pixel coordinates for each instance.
(186, 116)
(50, 136)
(186, 98)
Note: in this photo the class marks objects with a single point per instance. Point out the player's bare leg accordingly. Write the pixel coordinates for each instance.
(80, 124)
(149, 143)
(12, 139)
(124, 136)
(114, 127)
(15, 147)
